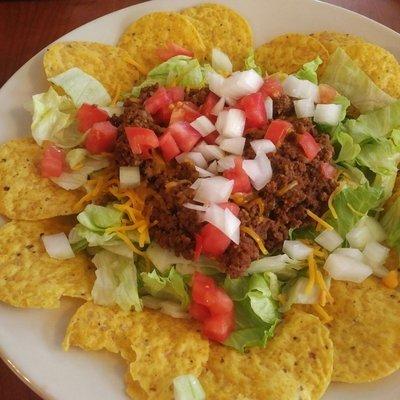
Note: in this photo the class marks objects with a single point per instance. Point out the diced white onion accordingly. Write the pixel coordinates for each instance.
(196, 184)
(213, 168)
(215, 82)
(221, 120)
(230, 101)
(262, 146)
(197, 158)
(269, 107)
(219, 139)
(298, 294)
(349, 252)
(219, 106)
(129, 177)
(58, 246)
(214, 190)
(359, 236)
(225, 163)
(203, 173)
(234, 122)
(233, 145)
(224, 220)
(329, 240)
(304, 108)
(296, 249)
(210, 151)
(242, 83)
(188, 387)
(375, 228)
(196, 207)
(258, 170)
(300, 88)
(344, 268)
(220, 61)
(375, 255)
(327, 114)
(203, 125)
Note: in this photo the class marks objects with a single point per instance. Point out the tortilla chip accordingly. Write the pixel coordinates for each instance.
(158, 347)
(29, 277)
(380, 65)
(332, 40)
(288, 53)
(156, 30)
(110, 65)
(296, 364)
(24, 194)
(133, 389)
(365, 330)
(222, 28)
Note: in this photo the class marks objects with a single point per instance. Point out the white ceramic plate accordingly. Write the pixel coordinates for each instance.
(30, 339)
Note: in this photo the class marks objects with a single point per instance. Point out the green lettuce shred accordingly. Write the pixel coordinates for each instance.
(250, 63)
(309, 71)
(390, 221)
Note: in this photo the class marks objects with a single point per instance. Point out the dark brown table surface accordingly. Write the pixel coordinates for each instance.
(28, 26)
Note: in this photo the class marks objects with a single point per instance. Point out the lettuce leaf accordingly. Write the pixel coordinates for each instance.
(309, 71)
(344, 102)
(170, 287)
(98, 218)
(351, 81)
(177, 71)
(256, 309)
(250, 63)
(82, 87)
(281, 265)
(349, 150)
(116, 281)
(390, 221)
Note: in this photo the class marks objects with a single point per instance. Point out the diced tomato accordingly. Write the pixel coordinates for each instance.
(326, 93)
(271, 88)
(209, 104)
(254, 108)
(218, 327)
(177, 93)
(309, 145)
(232, 207)
(184, 111)
(199, 312)
(163, 116)
(213, 241)
(141, 140)
(328, 170)
(159, 100)
(168, 146)
(202, 285)
(101, 137)
(241, 179)
(184, 135)
(88, 115)
(277, 131)
(172, 50)
(211, 138)
(53, 162)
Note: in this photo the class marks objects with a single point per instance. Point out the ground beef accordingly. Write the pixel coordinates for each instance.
(283, 106)
(197, 96)
(254, 134)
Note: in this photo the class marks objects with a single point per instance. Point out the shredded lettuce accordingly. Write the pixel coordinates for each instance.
(177, 71)
(344, 102)
(349, 150)
(256, 309)
(351, 81)
(250, 63)
(116, 281)
(309, 71)
(98, 218)
(390, 221)
(170, 287)
(82, 87)
(188, 387)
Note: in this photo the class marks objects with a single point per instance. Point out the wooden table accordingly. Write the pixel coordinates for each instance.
(28, 26)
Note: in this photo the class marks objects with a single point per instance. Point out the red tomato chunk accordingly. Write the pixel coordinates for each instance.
(52, 163)
(310, 147)
(141, 140)
(241, 180)
(184, 135)
(88, 115)
(254, 108)
(277, 131)
(271, 88)
(101, 138)
(158, 101)
(168, 146)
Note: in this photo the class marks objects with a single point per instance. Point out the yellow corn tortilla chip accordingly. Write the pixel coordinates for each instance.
(24, 194)
(110, 65)
(156, 30)
(287, 53)
(29, 277)
(365, 330)
(332, 40)
(222, 28)
(158, 347)
(133, 389)
(379, 64)
(296, 364)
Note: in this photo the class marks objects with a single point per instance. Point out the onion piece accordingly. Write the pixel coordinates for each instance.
(298, 293)
(203, 125)
(213, 168)
(196, 184)
(214, 190)
(57, 246)
(219, 139)
(344, 268)
(203, 173)
(210, 151)
(129, 177)
(300, 88)
(258, 170)
(375, 228)
(197, 159)
(359, 236)
(349, 252)
(233, 124)
(221, 120)
(269, 107)
(375, 254)
(219, 106)
(233, 145)
(215, 83)
(304, 108)
(262, 146)
(242, 83)
(327, 114)
(225, 163)
(296, 249)
(220, 61)
(329, 240)
(196, 207)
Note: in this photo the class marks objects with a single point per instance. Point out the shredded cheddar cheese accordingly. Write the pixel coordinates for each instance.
(325, 317)
(286, 188)
(256, 238)
(117, 94)
(330, 201)
(312, 269)
(319, 220)
(323, 287)
(391, 280)
(128, 242)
